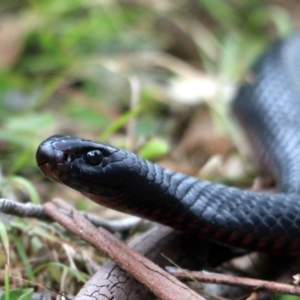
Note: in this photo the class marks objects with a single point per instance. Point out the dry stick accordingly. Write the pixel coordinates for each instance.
(31, 210)
(111, 282)
(27, 210)
(157, 280)
(255, 284)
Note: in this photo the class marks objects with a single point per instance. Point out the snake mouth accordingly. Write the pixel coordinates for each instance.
(48, 170)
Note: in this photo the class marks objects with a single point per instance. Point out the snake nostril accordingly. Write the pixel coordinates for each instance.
(68, 157)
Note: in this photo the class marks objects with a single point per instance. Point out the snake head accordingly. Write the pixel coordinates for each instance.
(87, 166)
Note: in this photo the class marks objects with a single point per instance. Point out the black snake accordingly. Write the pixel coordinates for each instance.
(268, 107)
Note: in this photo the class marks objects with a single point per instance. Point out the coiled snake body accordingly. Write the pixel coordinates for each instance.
(268, 107)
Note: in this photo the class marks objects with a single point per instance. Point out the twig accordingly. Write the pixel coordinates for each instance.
(254, 284)
(111, 282)
(156, 279)
(30, 210)
(18, 209)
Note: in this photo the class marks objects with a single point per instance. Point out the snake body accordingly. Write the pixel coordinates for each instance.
(268, 106)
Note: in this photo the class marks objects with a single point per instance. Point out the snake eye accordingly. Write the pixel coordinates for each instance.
(94, 157)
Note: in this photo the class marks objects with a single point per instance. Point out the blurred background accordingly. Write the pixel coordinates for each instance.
(154, 77)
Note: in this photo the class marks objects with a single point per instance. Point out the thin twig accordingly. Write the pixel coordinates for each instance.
(30, 210)
(111, 282)
(254, 284)
(156, 279)
(18, 209)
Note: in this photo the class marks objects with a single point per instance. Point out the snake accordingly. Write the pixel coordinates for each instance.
(267, 105)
